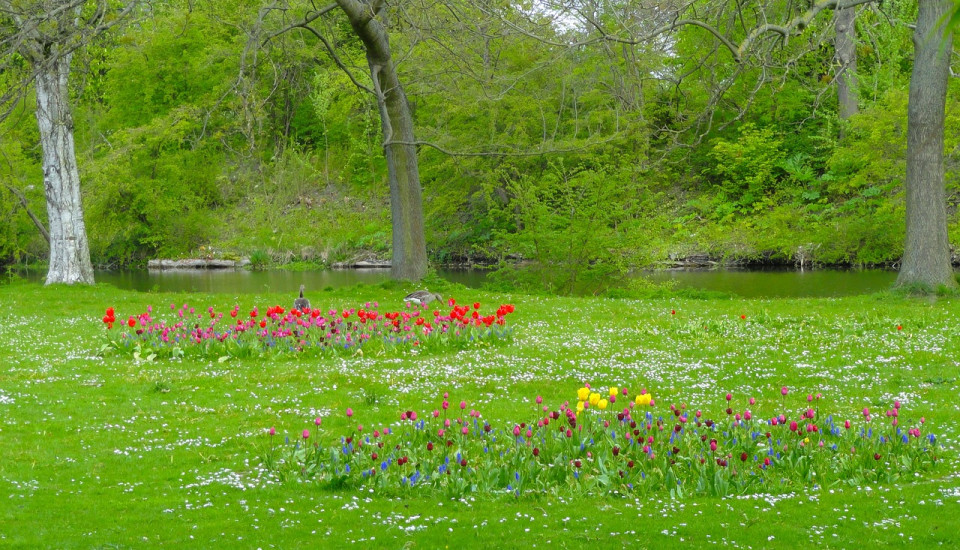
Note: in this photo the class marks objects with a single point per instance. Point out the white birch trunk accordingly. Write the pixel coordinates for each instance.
(69, 250)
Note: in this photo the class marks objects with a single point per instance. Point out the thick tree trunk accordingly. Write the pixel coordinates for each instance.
(406, 204)
(846, 59)
(926, 254)
(69, 251)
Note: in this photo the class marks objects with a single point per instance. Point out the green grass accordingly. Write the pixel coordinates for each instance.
(112, 452)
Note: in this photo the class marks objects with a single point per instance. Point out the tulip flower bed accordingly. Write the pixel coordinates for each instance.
(613, 443)
(211, 333)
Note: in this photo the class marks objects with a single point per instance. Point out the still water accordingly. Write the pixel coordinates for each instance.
(781, 283)
(747, 283)
(251, 282)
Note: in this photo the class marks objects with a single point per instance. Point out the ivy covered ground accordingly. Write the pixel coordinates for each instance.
(176, 449)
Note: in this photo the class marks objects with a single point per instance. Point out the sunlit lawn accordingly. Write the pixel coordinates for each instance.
(114, 452)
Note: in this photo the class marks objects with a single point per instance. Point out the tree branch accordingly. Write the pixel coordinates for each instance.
(448, 152)
(307, 19)
(798, 23)
(23, 202)
(336, 59)
(738, 50)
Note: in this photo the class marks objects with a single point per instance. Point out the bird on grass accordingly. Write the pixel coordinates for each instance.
(420, 297)
(301, 303)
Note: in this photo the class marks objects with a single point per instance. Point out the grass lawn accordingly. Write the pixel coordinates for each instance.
(115, 452)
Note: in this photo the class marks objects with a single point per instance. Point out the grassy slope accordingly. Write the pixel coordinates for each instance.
(112, 452)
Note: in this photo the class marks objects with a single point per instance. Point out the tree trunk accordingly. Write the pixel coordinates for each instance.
(69, 251)
(846, 59)
(926, 254)
(406, 204)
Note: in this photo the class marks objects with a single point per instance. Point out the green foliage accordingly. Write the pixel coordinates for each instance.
(259, 259)
(20, 240)
(873, 155)
(567, 225)
(747, 170)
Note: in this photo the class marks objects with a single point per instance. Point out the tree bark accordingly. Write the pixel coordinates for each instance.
(846, 59)
(69, 250)
(406, 203)
(926, 254)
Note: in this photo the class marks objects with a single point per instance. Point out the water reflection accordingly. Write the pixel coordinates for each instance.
(781, 283)
(249, 282)
(746, 283)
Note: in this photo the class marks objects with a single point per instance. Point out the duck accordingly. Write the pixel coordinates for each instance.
(421, 297)
(301, 303)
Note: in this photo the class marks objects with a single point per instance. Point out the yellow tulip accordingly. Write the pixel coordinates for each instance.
(602, 404)
(594, 398)
(643, 399)
(579, 406)
(583, 394)
(613, 391)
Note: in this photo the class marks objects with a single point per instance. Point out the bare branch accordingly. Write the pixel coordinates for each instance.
(23, 202)
(514, 153)
(336, 59)
(798, 23)
(738, 50)
(310, 17)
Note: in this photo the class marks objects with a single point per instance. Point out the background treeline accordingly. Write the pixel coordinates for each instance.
(199, 130)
